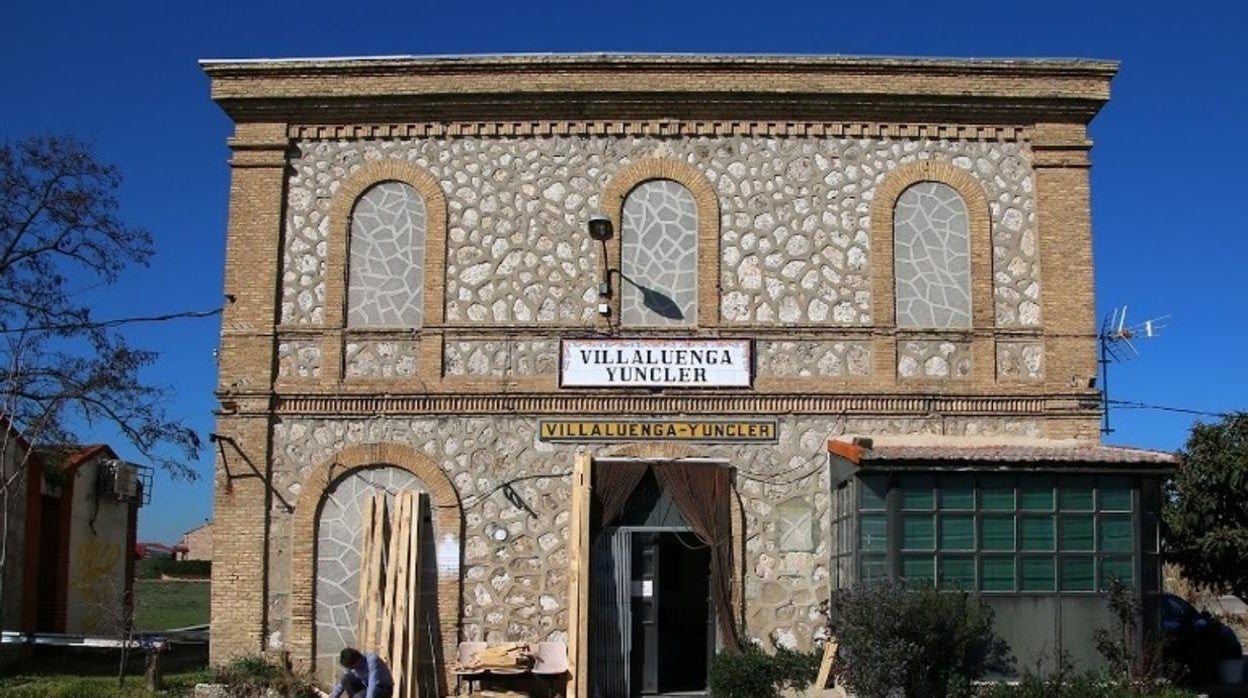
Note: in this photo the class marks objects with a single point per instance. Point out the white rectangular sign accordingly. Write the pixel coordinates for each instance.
(655, 363)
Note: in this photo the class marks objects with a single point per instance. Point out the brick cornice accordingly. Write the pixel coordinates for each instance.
(529, 86)
(731, 65)
(866, 404)
(662, 128)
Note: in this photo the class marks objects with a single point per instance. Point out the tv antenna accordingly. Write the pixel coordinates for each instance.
(1117, 346)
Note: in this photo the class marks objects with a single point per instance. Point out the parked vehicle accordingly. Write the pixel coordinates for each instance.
(1196, 640)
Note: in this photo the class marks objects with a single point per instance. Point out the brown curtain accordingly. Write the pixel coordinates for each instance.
(613, 483)
(703, 492)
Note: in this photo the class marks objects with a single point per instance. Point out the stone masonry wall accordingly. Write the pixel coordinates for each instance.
(517, 590)
(794, 218)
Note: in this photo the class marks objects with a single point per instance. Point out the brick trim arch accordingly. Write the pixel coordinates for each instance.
(448, 523)
(339, 251)
(979, 215)
(651, 451)
(883, 276)
(707, 201)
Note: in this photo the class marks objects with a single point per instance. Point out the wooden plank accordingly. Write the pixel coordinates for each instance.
(420, 505)
(398, 569)
(403, 509)
(361, 607)
(389, 589)
(373, 612)
(367, 638)
(825, 666)
(578, 578)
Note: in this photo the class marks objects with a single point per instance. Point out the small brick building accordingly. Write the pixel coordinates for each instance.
(621, 317)
(72, 522)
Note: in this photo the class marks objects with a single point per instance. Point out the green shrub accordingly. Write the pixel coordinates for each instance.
(155, 567)
(794, 669)
(923, 643)
(1065, 682)
(253, 675)
(1075, 686)
(1134, 660)
(755, 674)
(750, 674)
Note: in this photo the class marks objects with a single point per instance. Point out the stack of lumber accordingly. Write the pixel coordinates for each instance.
(389, 609)
(509, 658)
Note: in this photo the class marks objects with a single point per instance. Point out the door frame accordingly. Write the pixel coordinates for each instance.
(579, 548)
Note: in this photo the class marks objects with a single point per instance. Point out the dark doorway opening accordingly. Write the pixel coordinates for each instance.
(652, 621)
(53, 569)
(672, 633)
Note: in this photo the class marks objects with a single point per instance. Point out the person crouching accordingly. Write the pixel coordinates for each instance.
(365, 675)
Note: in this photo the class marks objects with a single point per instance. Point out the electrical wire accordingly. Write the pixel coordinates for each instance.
(1132, 404)
(477, 499)
(819, 460)
(115, 322)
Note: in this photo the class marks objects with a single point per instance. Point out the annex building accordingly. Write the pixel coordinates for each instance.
(673, 345)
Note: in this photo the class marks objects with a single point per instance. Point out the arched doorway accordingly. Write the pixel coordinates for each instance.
(440, 582)
(338, 544)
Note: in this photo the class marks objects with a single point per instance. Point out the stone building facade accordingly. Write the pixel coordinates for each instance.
(904, 246)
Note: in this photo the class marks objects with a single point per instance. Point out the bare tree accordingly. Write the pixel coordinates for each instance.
(62, 370)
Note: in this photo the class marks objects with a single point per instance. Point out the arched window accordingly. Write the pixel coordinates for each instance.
(659, 256)
(932, 258)
(386, 269)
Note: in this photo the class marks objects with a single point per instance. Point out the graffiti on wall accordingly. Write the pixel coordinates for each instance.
(93, 586)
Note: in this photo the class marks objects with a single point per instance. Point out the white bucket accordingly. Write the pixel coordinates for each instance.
(1230, 671)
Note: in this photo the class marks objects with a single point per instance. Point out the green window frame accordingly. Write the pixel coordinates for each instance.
(1063, 533)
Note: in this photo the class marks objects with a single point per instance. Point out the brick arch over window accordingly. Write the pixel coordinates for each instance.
(707, 201)
(979, 218)
(448, 522)
(339, 252)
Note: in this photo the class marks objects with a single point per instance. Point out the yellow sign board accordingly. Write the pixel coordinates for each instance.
(704, 430)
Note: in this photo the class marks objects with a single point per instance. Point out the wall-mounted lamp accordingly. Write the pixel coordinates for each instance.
(600, 227)
(600, 230)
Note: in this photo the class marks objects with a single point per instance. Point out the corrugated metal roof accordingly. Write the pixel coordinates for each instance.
(1009, 453)
(1083, 454)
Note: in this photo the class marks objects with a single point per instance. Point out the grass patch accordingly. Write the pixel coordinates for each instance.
(71, 686)
(163, 605)
(257, 676)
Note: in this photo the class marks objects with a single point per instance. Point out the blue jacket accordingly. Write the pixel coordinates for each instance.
(370, 673)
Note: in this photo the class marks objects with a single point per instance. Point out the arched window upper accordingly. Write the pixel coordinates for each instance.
(659, 256)
(386, 268)
(932, 258)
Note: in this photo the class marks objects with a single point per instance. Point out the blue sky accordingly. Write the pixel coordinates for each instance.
(1168, 178)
